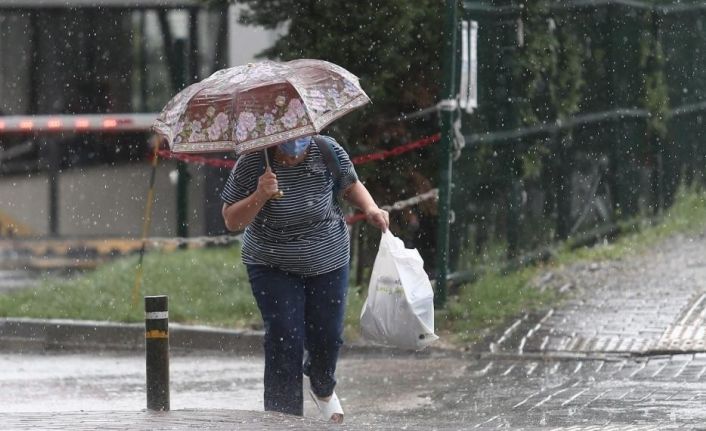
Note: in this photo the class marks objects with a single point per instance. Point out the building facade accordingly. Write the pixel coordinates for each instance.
(69, 58)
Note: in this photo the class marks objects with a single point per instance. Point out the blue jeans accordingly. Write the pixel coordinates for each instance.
(299, 313)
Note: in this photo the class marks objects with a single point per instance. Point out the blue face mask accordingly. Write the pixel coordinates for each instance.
(296, 147)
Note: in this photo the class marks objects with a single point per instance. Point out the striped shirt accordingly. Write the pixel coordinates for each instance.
(304, 232)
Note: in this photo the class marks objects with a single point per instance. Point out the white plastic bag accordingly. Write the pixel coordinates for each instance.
(399, 309)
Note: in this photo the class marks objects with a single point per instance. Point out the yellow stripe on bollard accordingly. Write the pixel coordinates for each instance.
(156, 333)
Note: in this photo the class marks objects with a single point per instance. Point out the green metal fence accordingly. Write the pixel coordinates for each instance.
(590, 112)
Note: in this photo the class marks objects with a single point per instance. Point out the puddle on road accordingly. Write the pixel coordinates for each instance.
(82, 382)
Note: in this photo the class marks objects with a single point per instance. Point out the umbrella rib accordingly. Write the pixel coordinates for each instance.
(306, 108)
(198, 86)
(348, 107)
(343, 72)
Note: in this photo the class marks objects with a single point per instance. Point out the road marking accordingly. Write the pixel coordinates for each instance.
(486, 422)
(626, 394)
(509, 369)
(646, 396)
(525, 400)
(681, 370)
(642, 367)
(568, 401)
(485, 370)
(578, 367)
(660, 369)
(530, 369)
(549, 398)
(701, 373)
(621, 365)
(545, 341)
(597, 396)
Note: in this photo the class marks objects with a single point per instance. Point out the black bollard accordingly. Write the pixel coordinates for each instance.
(157, 352)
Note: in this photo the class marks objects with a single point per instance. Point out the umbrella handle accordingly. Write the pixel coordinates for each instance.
(279, 193)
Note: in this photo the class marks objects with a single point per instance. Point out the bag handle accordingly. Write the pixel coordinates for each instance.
(390, 241)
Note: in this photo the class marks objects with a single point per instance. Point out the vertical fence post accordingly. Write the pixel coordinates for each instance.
(615, 160)
(514, 215)
(157, 352)
(448, 93)
(52, 149)
(181, 54)
(563, 184)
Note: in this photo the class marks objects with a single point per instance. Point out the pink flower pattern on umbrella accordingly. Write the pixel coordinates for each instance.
(246, 123)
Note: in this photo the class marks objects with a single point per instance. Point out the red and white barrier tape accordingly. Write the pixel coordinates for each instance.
(203, 241)
(351, 219)
(359, 160)
(366, 158)
(198, 160)
(399, 205)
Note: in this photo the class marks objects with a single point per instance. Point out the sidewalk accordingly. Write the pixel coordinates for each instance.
(646, 305)
(31, 335)
(211, 391)
(378, 393)
(183, 419)
(24, 335)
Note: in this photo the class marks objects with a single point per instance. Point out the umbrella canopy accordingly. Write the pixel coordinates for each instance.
(258, 105)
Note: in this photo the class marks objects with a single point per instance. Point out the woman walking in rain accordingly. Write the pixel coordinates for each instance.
(296, 250)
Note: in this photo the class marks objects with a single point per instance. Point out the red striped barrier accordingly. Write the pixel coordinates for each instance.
(359, 160)
(366, 158)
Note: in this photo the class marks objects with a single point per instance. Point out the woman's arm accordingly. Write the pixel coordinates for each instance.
(359, 197)
(239, 214)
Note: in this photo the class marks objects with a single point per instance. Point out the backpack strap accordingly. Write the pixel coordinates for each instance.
(333, 164)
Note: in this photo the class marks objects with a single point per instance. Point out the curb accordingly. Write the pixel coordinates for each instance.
(87, 253)
(23, 335)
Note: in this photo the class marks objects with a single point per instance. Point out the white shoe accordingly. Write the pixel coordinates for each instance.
(331, 410)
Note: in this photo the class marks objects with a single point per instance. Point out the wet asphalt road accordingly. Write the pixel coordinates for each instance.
(624, 352)
(371, 387)
(420, 392)
(115, 381)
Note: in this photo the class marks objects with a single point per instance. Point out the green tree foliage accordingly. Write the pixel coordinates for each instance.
(392, 45)
(548, 66)
(547, 74)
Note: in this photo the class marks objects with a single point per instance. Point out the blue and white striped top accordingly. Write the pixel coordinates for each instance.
(304, 232)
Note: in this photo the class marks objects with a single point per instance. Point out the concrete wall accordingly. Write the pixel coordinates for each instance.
(80, 70)
(25, 200)
(103, 201)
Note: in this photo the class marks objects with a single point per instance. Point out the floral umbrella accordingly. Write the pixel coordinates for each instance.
(258, 105)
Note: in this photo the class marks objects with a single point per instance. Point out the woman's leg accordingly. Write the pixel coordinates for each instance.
(324, 313)
(280, 298)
